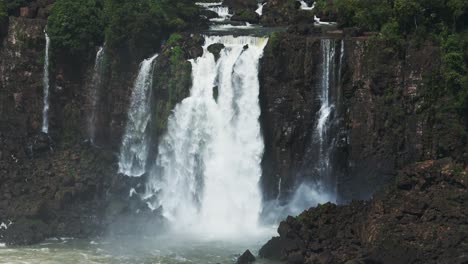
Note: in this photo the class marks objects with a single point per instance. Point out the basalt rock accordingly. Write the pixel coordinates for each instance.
(246, 15)
(424, 222)
(246, 258)
(216, 49)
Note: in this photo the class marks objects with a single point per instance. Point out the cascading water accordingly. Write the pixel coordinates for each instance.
(259, 10)
(305, 6)
(207, 172)
(45, 83)
(95, 87)
(135, 143)
(326, 107)
(222, 11)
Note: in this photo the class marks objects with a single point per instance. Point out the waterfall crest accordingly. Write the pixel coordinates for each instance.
(45, 84)
(207, 172)
(95, 89)
(135, 143)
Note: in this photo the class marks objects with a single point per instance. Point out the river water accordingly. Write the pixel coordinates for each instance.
(131, 250)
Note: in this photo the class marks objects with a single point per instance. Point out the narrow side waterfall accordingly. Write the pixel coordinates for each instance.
(95, 92)
(135, 143)
(45, 84)
(326, 108)
(318, 183)
(207, 172)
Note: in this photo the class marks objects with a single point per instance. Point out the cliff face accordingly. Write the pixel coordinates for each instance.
(384, 116)
(59, 184)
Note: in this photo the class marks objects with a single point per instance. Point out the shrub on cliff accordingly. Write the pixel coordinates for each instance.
(76, 26)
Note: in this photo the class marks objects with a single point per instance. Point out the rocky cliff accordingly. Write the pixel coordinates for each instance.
(59, 184)
(384, 119)
(419, 218)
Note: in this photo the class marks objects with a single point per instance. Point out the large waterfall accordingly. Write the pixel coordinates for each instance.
(207, 172)
(135, 143)
(45, 83)
(95, 90)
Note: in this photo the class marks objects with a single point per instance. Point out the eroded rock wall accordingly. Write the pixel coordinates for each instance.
(385, 116)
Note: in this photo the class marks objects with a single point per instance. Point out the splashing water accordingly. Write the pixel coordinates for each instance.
(207, 172)
(45, 83)
(135, 143)
(259, 10)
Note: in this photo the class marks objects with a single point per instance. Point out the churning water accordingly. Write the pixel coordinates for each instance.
(208, 169)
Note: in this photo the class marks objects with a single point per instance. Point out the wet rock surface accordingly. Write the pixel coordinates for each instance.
(246, 258)
(418, 218)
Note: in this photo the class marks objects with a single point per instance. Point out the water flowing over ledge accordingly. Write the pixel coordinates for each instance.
(45, 83)
(135, 143)
(207, 172)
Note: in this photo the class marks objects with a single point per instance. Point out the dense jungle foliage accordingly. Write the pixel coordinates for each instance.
(78, 25)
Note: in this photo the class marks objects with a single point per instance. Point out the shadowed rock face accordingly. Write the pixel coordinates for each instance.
(418, 218)
(384, 115)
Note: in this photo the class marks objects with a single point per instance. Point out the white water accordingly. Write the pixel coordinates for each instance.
(328, 58)
(222, 11)
(259, 10)
(226, 27)
(45, 84)
(207, 172)
(209, 4)
(304, 5)
(135, 143)
(95, 87)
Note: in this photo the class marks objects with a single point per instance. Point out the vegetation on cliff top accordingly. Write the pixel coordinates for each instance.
(444, 22)
(79, 25)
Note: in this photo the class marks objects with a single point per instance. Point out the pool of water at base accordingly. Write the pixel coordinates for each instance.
(131, 250)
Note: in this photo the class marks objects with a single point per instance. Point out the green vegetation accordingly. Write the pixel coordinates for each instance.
(3, 12)
(77, 25)
(443, 22)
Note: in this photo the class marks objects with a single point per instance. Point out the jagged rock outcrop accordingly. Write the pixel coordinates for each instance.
(419, 218)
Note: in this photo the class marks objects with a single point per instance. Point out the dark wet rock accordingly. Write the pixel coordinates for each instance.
(378, 231)
(216, 49)
(246, 258)
(208, 14)
(26, 232)
(246, 15)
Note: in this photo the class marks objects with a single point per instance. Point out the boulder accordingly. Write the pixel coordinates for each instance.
(208, 14)
(246, 258)
(216, 49)
(246, 15)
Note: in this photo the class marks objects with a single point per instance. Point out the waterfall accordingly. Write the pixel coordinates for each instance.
(222, 11)
(135, 143)
(45, 84)
(319, 183)
(326, 107)
(305, 6)
(95, 87)
(207, 172)
(259, 10)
